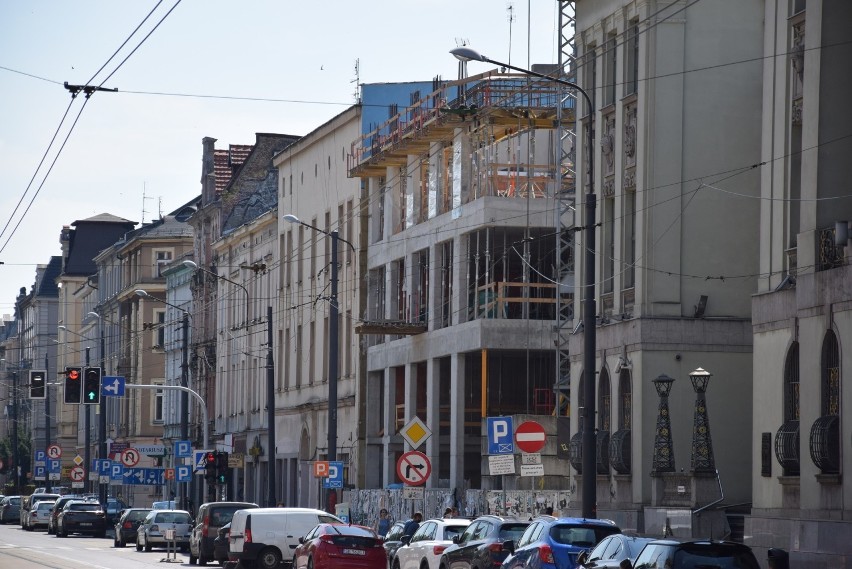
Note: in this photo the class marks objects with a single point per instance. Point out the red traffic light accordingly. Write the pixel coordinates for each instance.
(211, 458)
(72, 373)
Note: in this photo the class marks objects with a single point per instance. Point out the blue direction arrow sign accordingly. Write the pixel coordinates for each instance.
(112, 386)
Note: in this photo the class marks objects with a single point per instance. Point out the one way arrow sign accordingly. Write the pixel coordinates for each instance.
(112, 386)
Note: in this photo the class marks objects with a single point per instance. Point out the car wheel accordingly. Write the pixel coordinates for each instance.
(269, 558)
(310, 563)
(396, 564)
(101, 534)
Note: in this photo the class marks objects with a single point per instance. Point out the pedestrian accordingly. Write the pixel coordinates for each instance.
(383, 524)
(455, 512)
(412, 525)
(548, 511)
(448, 513)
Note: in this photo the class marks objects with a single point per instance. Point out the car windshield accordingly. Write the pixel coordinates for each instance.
(222, 516)
(136, 515)
(172, 518)
(85, 507)
(512, 531)
(451, 531)
(579, 536)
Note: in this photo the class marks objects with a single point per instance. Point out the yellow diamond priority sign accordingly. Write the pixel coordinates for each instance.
(415, 432)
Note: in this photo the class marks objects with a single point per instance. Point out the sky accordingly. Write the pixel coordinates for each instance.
(136, 153)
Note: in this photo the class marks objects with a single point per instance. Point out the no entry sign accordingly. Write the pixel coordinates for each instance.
(530, 436)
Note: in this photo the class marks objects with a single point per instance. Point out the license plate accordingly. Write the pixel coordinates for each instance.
(86, 524)
(354, 552)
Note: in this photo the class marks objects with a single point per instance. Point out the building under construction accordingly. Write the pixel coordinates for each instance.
(463, 192)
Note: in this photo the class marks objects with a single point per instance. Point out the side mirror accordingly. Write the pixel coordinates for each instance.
(301, 539)
(582, 557)
(509, 546)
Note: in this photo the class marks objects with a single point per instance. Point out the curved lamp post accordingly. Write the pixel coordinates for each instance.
(184, 376)
(193, 265)
(465, 53)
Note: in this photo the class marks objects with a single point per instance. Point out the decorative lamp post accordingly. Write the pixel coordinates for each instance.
(702, 444)
(663, 446)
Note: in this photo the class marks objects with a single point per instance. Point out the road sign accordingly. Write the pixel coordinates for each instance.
(54, 465)
(199, 461)
(40, 457)
(78, 460)
(499, 435)
(54, 451)
(415, 432)
(151, 450)
(40, 473)
(116, 472)
(501, 464)
(77, 474)
(130, 457)
(530, 436)
(183, 449)
(320, 469)
(183, 473)
(335, 476)
(112, 386)
(413, 468)
(532, 470)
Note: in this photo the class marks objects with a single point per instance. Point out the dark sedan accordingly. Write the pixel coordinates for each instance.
(482, 543)
(81, 517)
(612, 550)
(127, 524)
(393, 541)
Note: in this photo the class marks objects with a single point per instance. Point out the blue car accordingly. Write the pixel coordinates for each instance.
(555, 543)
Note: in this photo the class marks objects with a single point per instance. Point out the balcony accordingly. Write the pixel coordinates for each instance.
(825, 444)
(787, 447)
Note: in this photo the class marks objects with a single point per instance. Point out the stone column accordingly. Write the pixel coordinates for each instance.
(457, 404)
(433, 418)
(389, 465)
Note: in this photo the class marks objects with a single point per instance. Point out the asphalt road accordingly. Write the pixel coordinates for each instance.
(21, 549)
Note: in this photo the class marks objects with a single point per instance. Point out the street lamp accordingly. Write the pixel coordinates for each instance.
(333, 323)
(194, 266)
(184, 376)
(465, 53)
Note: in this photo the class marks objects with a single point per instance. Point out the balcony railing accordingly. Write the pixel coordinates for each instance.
(619, 451)
(787, 447)
(602, 445)
(507, 299)
(825, 444)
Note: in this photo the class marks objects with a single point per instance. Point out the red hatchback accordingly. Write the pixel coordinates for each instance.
(330, 546)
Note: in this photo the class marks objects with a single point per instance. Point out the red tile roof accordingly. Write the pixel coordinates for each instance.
(227, 162)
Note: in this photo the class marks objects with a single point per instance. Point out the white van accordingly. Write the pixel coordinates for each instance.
(269, 536)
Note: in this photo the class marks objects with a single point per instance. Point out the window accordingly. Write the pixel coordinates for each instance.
(791, 384)
(830, 375)
(604, 401)
(160, 328)
(158, 406)
(629, 253)
(631, 60)
(609, 245)
(163, 258)
(610, 68)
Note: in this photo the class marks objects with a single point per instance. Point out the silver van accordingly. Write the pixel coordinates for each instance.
(268, 536)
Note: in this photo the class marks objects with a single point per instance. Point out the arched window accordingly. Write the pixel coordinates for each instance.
(825, 432)
(604, 401)
(787, 437)
(619, 444)
(625, 399)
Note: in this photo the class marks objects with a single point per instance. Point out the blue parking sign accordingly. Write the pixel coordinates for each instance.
(500, 435)
(183, 449)
(335, 476)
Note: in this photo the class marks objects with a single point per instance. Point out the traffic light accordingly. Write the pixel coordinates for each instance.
(38, 384)
(92, 385)
(210, 467)
(73, 385)
(222, 470)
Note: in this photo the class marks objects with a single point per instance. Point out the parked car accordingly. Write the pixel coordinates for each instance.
(220, 544)
(127, 524)
(267, 536)
(423, 550)
(10, 509)
(81, 516)
(482, 543)
(211, 516)
(695, 554)
(40, 514)
(612, 550)
(152, 530)
(57, 507)
(331, 545)
(27, 504)
(393, 541)
(550, 542)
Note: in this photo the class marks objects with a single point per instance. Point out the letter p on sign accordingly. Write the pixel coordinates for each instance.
(321, 469)
(500, 429)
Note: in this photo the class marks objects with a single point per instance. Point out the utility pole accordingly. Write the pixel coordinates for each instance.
(184, 397)
(102, 446)
(270, 411)
(87, 438)
(333, 348)
(46, 412)
(15, 452)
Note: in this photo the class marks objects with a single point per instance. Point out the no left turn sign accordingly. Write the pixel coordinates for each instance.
(413, 468)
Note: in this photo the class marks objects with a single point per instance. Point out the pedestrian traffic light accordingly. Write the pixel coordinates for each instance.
(73, 385)
(210, 467)
(38, 384)
(92, 385)
(222, 470)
